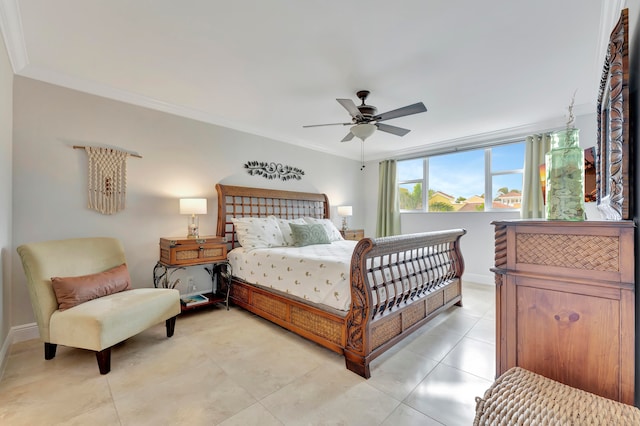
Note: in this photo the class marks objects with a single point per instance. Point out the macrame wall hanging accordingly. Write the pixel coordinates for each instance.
(107, 178)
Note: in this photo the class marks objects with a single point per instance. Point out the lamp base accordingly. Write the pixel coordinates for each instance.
(193, 227)
(344, 224)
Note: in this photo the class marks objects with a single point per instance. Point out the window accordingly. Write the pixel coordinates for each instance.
(411, 176)
(459, 181)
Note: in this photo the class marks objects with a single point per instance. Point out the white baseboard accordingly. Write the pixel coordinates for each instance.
(24, 332)
(16, 334)
(479, 279)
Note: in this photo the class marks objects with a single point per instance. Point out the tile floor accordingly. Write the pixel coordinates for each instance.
(233, 368)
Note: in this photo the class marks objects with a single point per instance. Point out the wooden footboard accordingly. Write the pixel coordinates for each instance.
(398, 284)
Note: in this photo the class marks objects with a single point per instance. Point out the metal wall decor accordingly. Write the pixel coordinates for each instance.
(273, 170)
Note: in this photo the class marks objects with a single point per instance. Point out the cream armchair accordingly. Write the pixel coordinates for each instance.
(100, 323)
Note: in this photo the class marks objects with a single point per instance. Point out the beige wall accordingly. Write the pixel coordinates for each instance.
(6, 249)
(180, 158)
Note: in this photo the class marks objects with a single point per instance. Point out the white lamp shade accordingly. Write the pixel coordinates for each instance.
(193, 206)
(363, 131)
(345, 210)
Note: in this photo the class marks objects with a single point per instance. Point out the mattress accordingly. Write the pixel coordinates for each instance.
(317, 273)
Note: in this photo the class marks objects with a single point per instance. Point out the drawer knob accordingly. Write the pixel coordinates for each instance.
(572, 317)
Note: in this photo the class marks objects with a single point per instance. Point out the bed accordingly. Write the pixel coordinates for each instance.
(395, 284)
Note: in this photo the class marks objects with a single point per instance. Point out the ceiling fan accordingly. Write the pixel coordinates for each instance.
(365, 118)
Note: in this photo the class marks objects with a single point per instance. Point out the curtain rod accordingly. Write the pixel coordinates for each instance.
(128, 153)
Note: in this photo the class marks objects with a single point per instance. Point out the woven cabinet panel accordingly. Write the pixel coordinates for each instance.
(596, 253)
(186, 254)
(240, 293)
(317, 324)
(274, 307)
(413, 313)
(435, 301)
(382, 331)
(451, 291)
(213, 253)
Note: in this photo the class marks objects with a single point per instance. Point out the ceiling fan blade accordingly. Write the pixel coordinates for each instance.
(330, 124)
(401, 112)
(398, 131)
(351, 107)
(348, 137)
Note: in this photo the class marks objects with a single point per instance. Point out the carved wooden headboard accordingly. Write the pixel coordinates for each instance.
(241, 201)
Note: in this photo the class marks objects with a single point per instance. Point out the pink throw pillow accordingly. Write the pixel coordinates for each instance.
(71, 291)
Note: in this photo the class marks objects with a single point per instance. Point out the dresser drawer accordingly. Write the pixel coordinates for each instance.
(192, 251)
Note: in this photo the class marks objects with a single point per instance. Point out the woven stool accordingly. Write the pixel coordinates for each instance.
(520, 397)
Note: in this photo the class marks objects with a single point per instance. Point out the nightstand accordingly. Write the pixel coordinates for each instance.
(180, 252)
(353, 234)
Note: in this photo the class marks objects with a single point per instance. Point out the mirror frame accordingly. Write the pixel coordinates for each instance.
(612, 151)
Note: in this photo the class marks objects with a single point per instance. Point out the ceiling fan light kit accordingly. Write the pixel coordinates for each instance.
(363, 131)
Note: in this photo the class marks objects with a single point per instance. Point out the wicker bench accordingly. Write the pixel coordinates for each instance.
(520, 397)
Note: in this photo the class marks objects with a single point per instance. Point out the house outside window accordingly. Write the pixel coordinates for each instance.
(458, 182)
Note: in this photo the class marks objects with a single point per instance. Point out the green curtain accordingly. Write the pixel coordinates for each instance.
(388, 222)
(536, 146)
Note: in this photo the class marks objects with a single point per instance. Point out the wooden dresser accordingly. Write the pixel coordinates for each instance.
(565, 303)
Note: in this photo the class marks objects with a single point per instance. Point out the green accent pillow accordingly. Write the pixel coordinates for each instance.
(306, 235)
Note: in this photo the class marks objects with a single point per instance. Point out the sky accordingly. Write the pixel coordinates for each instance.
(462, 174)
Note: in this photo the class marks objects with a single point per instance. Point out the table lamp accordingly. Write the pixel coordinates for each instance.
(345, 211)
(193, 207)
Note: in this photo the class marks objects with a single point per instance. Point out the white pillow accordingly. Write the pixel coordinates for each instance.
(287, 234)
(332, 232)
(258, 232)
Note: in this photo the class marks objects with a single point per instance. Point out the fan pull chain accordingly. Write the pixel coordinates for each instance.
(362, 155)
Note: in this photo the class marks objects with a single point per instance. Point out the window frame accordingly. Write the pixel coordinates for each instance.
(488, 178)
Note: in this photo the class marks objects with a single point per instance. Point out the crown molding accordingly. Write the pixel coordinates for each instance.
(105, 91)
(11, 28)
(109, 92)
(512, 134)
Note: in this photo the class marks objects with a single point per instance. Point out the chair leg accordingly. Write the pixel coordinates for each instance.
(104, 360)
(49, 350)
(171, 326)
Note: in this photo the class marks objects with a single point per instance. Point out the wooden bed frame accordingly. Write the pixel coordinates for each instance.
(379, 266)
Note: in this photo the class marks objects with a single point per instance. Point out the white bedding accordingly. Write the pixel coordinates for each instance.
(318, 273)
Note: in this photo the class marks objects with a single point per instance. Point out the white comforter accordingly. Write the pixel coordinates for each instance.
(317, 273)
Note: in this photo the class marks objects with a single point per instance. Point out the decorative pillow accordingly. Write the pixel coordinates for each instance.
(332, 232)
(311, 233)
(72, 291)
(287, 234)
(258, 232)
